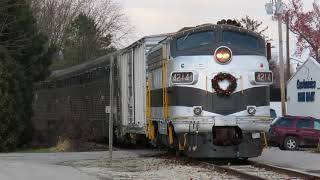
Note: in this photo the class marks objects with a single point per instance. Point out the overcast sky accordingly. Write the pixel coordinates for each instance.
(161, 16)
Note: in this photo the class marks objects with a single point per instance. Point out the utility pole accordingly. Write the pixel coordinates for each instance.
(282, 84)
(288, 46)
(111, 109)
(278, 12)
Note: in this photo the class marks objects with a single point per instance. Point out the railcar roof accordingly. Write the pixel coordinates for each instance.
(86, 65)
(99, 61)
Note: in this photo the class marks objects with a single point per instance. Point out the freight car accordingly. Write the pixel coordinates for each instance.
(203, 91)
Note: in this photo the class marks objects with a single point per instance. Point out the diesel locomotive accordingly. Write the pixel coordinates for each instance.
(203, 91)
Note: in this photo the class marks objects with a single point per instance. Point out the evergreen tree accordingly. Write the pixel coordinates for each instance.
(25, 58)
(84, 41)
(11, 98)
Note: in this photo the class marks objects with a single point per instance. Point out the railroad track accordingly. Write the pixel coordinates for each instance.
(258, 171)
(246, 169)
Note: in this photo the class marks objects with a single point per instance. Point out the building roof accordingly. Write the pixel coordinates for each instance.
(311, 60)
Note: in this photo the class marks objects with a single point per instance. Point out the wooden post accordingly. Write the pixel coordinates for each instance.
(282, 83)
(111, 109)
(288, 46)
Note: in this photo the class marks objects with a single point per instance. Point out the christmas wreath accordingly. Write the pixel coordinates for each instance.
(221, 77)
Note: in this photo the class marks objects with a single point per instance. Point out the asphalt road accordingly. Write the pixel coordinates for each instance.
(39, 166)
(305, 161)
(66, 166)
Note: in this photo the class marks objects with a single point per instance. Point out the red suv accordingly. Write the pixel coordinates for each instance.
(291, 132)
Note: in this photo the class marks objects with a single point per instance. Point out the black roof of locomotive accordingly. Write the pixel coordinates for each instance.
(209, 26)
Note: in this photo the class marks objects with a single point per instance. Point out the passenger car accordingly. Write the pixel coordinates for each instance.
(291, 132)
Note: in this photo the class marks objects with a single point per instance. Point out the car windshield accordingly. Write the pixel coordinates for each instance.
(240, 39)
(195, 40)
(283, 122)
(275, 120)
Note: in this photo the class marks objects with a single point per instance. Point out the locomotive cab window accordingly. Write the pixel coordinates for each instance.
(243, 40)
(195, 40)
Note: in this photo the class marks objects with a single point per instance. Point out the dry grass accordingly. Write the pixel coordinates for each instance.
(38, 150)
(76, 145)
(318, 148)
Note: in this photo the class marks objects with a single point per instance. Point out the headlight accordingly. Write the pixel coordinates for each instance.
(223, 55)
(197, 110)
(251, 110)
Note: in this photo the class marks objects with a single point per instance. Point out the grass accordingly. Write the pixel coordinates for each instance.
(318, 149)
(38, 150)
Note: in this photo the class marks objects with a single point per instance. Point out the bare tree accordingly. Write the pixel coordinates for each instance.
(275, 68)
(16, 40)
(110, 19)
(55, 16)
(253, 25)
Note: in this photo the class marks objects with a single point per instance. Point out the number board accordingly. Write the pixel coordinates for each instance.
(263, 77)
(182, 77)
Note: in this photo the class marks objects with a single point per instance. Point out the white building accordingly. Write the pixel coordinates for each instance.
(303, 90)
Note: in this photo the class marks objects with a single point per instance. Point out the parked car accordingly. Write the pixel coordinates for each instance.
(292, 132)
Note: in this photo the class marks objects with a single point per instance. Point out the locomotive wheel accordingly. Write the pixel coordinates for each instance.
(159, 142)
(178, 153)
(244, 159)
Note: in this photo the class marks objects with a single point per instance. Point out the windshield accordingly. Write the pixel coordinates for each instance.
(195, 40)
(275, 120)
(240, 39)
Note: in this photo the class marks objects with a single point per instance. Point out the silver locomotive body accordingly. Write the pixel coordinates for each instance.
(186, 108)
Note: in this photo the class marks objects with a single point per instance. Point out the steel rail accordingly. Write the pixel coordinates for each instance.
(285, 171)
(241, 174)
(259, 171)
(233, 172)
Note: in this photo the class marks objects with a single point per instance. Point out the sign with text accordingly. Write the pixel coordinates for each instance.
(182, 77)
(306, 96)
(263, 77)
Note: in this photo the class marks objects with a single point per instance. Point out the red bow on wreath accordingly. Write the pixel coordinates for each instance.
(221, 77)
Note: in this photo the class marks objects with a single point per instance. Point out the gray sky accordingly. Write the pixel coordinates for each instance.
(161, 16)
